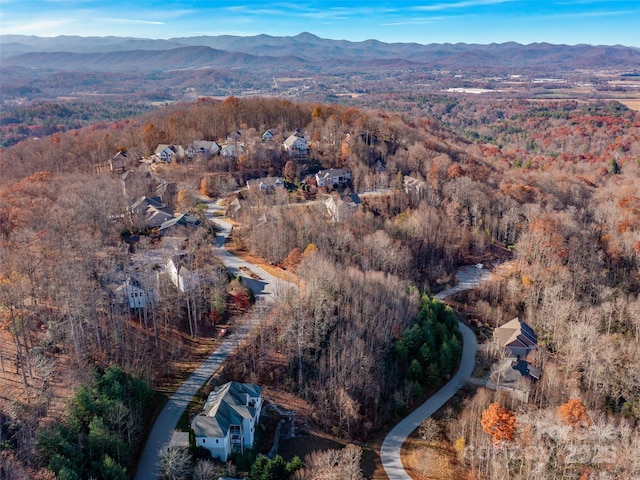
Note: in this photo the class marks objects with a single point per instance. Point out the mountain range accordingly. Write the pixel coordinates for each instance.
(304, 51)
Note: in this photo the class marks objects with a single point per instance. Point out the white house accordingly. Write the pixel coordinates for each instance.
(295, 145)
(132, 294)
(232, 150)
(202, 147)
(229, 419)
(269, 135)
(181, 271)
(265, 184)
(413, 186)
(168, 153)
(341, 208)
(332, 177)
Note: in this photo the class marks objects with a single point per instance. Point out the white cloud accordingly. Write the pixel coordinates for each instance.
(132, 20)
(462, 4)
(41, 27)
(417, 21)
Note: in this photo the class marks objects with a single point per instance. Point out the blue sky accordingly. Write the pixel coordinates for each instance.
(598, 22)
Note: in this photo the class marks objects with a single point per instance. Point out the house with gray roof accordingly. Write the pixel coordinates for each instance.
(265, 184)
(229, 419)
(179, 220)
(202, 147)
(295, 146)
(132, 294)
(342, 207)
(269, 135)
(414, 186)
(232, 150)
(333, 177)
(169, 153)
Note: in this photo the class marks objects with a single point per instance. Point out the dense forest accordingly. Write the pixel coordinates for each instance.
(550, 187)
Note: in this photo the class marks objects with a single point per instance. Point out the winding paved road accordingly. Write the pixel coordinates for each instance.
(265, 289)
(390, 452)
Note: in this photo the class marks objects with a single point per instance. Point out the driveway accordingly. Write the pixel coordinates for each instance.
(265, 289)
(468, 277)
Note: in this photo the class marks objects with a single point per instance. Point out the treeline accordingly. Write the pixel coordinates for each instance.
(97, 437)
(46, 118)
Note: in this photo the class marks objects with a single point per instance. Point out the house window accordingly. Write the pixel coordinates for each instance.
(204, 440)
(217, 441)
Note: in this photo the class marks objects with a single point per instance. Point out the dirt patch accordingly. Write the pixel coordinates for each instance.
(432, 461)
(277, 272)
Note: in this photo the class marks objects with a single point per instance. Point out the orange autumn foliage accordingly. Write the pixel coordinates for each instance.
(574, 413)
(499, 422)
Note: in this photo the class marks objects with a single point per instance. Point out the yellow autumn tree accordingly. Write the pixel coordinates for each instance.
(499, 422)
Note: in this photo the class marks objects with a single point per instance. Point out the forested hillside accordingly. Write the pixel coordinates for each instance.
(549, 187)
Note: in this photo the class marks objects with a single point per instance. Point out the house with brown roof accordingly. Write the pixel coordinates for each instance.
(516, 337)
(229, 419)
(514, 373)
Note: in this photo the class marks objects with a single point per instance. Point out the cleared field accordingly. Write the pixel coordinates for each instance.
(632, 103)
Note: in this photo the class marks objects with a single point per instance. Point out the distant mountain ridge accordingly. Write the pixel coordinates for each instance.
(71, 53)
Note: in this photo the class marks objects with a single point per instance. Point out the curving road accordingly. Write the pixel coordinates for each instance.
(390, 452)
(265, 289)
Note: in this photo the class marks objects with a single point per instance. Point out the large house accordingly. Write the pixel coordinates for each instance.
(333, 177)
(155, 216)
(132, 294)
(295, 146)
(516, 337)
(265, 184)
(168, 153)
(514, 373)
(269, 135)
(229, 419)
(140, 206)
(179, 220)
(232, 150)
(202, 147)
(181, 271)
(150, 212)
(341, 208)
(413, 186)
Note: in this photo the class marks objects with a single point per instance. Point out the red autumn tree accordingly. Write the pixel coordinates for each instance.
(499, 422)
